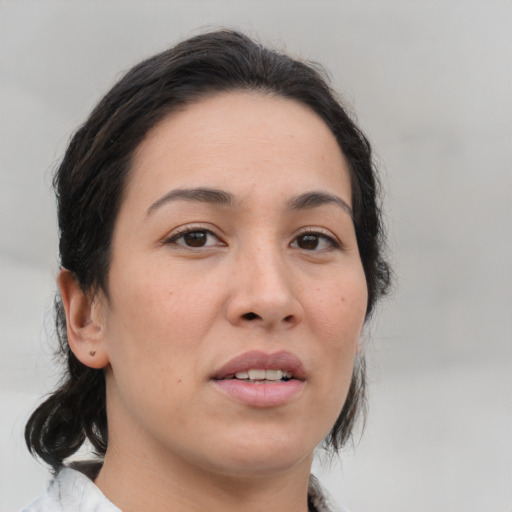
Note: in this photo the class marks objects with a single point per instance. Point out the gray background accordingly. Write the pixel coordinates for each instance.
(431, 84)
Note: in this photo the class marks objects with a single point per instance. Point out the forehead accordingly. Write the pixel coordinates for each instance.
(242, 141)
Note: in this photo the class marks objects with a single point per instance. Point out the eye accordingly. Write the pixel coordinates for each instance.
(312, 241)
(195, 238)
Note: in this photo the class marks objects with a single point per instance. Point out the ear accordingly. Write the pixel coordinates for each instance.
(84, 321)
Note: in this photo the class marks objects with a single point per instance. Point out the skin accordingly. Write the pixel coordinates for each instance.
(175, 314)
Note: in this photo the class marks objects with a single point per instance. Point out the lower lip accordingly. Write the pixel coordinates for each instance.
(268, 394)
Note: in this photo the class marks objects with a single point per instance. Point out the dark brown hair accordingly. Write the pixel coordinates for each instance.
(90, 180)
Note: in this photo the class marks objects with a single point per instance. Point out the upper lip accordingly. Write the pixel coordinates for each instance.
(282, 360)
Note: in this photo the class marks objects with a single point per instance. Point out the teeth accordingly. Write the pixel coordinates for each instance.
(257, 374)
(273, 374)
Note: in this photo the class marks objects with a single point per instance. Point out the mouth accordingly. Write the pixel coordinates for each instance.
(261, 380)
(260, 367)
(261, 376)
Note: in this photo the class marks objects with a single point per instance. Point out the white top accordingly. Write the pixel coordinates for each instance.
(72, 491)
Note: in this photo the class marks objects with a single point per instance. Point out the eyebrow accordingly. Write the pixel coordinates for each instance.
(199, 194)
(315, 199)
(221, 197)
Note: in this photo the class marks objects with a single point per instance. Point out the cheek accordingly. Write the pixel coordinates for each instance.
(338, 309)
(160, 308)
(154, 331)
(338, 318)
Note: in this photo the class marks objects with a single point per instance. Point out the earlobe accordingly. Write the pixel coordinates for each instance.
(84, 322)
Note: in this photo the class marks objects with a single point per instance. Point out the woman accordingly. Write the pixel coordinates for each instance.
(221, 249)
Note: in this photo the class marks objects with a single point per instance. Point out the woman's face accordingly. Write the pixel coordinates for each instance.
(236, 291)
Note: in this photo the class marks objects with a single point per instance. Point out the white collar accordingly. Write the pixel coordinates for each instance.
(72, 491)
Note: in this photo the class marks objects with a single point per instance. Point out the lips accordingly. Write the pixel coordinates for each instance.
(231, 379)
(284, 361)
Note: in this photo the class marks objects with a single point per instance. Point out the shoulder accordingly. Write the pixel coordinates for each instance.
(320, 499)
(72, 491)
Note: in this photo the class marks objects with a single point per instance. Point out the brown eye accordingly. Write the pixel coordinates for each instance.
(315, 242)
(308, 242)
(195, 238)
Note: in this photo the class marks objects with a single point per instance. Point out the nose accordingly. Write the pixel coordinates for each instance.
(263, 293)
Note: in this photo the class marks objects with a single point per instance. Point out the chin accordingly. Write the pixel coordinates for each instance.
(258, 455)
(259, 467)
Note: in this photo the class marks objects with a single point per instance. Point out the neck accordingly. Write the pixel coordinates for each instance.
(133, 484)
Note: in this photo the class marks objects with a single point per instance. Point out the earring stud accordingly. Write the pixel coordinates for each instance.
(92, 353)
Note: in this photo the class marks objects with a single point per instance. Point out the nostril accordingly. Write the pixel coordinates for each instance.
(289, 318)
(250, 316)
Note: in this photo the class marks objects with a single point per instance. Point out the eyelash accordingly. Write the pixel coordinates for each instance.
(182, 232)
(331, 241)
